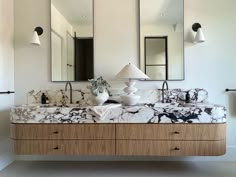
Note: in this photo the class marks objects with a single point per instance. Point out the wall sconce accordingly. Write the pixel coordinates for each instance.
(199, 38)
(35, 38)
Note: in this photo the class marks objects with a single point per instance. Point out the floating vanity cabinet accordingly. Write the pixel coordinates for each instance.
(120, 139)
(64, 139)
(171, 139)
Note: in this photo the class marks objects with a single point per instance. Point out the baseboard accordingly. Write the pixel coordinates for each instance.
(229, 156)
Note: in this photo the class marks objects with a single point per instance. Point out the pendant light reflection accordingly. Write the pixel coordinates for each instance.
(38, 31)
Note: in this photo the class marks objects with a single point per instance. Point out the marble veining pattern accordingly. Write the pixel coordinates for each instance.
(147, 113)
(197, 95)
(81, 96)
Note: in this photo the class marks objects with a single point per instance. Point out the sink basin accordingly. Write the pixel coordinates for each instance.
(175, 105)
(163, 105)
(71, 105)
(64, 106)
(199, 105)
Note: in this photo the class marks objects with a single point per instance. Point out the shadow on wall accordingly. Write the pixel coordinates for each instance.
(4, 122)
(188, 39)
(232, 104)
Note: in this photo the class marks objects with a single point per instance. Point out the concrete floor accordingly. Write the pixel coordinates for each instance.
(120, 169)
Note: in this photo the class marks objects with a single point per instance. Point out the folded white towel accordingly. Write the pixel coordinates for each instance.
(101, 111)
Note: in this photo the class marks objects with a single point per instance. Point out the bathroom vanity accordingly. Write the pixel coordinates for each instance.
(120, 139)
(169, 129)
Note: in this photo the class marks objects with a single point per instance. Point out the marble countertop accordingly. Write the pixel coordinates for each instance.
(145, 113)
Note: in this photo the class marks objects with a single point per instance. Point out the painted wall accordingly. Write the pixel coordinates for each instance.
(210, 65)
(6, 79)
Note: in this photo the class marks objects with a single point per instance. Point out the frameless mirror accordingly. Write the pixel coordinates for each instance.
(72, 40)
(162, 39)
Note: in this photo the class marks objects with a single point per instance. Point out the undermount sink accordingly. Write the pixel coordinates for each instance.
(201, 105)
(71, 105)
(163, 105)
(176, 104)
(64, 106)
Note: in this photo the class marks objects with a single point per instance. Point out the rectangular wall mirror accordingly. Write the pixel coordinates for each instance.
(162, 39)
(72, 39)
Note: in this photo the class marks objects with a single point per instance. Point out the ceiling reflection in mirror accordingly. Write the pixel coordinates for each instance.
(162, 39)
(72, 38)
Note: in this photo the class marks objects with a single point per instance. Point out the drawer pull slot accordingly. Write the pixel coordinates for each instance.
(56, 148)
(176, 149)
(56, 132)
(176, 133)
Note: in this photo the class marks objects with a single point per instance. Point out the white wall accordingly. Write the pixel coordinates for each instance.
(116, 36)
(6, 79)
(210, 65)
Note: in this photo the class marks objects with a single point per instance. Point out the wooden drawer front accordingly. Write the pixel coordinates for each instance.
(63, 131)
(170, 148)
(65, 147)
(171, 131)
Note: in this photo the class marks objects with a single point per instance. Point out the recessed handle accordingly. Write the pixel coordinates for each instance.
(56, 148)
(176, 149)
(176, 133)
(56, 132)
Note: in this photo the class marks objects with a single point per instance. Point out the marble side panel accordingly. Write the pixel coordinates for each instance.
(148, 113)
(81, 96)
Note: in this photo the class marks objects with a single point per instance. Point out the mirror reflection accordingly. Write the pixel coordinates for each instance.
(162, 39)
(72, 40)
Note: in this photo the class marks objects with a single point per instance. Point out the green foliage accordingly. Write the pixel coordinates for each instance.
(98, 85)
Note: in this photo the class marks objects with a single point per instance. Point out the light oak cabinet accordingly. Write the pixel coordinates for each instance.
(63, 131)
(170, 148)
(63, 139)
(170, 131)
(120, 139)
(65, 147)
(171, 139)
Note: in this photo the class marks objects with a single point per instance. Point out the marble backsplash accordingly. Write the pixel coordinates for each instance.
(81, 96)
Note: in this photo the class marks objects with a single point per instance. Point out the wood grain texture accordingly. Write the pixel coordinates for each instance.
(120, 139)
(170, 148)
(64, 147)
(62, 131)
(171, 131)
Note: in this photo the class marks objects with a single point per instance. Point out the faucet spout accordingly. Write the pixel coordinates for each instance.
(69, 83)
(163, 89)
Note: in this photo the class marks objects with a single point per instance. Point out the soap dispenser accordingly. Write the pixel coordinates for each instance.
(187, 97)
(43, 99)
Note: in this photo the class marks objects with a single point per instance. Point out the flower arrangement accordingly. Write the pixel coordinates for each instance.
(98, 86)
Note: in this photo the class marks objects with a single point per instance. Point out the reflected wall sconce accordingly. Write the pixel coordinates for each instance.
(38, 31)
(199, 37)
(177, 27)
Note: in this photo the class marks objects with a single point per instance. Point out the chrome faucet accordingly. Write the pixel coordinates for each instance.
(68, 83)
(163, 89)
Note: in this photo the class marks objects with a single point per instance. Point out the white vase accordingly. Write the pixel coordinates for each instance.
(100, 99)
